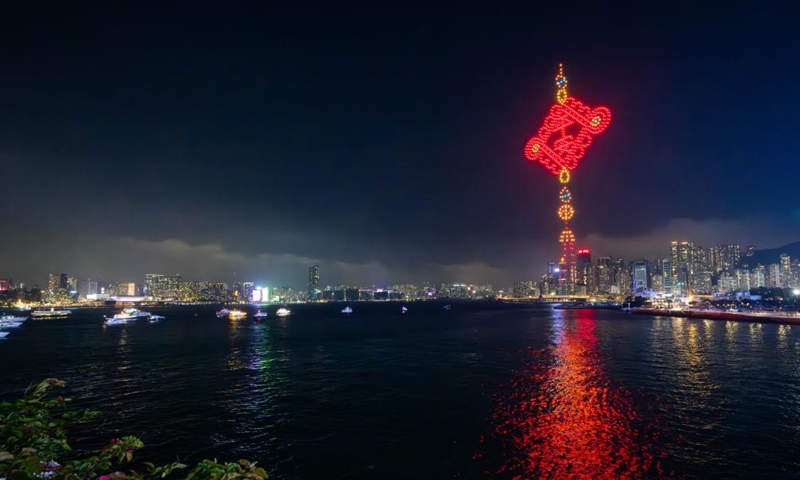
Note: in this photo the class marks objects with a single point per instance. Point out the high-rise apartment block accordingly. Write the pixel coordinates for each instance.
(313, 283)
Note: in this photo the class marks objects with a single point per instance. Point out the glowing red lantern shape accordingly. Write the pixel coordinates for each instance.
(566, 133)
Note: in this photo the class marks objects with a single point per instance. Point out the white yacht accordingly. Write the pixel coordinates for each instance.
(12, 318)
(283, 312)
(347, 310)
(156, 318)
(3, 334)
(115, 321)
(8, 324)
(129, 314)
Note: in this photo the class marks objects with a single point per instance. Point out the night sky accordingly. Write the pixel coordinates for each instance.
(385, 145)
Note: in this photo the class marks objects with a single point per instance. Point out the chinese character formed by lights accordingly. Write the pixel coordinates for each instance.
(567, 131)
(559, 145)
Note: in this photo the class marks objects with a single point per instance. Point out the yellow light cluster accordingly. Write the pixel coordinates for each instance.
(561, 84)
(564, 176)
(565, 212)
(566, 236)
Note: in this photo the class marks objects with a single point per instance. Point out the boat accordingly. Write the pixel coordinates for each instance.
(8, 324)
(347, 310)
(627, 309)
(283, 312)
(115, 321)
(448, 307)
(404, 310)
(4, 334)
(129, 314)
(260, 314)
(12, 318)
(232, 314)
(52, 313)
(156, 318)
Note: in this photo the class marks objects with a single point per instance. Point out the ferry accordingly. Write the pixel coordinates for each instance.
(283, 312)
(52, 313)
(260, 314)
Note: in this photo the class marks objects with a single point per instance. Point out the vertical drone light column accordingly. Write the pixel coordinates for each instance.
(559, 146)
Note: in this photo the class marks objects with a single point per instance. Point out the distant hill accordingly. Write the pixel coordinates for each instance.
(773, 255)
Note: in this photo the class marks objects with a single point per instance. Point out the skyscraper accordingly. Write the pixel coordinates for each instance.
(787, 280)
(313, 283)
(584, 270)
(666, 269)
(682, 255)
(640, 275)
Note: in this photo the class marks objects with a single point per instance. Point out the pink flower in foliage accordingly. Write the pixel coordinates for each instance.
(104, 477)
(130, 452)
(113, 441)
(60, 399)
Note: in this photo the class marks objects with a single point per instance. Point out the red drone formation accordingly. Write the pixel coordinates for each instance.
(559, 146)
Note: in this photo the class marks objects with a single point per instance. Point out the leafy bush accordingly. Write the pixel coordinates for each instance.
(33, 441)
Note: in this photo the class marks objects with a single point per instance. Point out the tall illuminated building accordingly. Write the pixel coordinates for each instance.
(640, 275)
(559, 145)
(682, 255)
(666, 271)
(313, 283)
(787, 280)
(584, 280)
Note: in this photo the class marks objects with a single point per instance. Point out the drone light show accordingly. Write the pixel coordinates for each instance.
(560, 145)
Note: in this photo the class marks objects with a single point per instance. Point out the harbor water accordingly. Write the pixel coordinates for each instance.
(482, 390)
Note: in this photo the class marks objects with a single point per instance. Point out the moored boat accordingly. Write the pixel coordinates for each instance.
(12, 318)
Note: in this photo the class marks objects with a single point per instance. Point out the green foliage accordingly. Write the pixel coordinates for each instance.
(33, 437)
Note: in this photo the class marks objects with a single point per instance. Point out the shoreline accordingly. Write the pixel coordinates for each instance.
(765, 317)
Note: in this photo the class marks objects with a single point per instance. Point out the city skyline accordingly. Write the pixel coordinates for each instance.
(269, 142)
(682, 267)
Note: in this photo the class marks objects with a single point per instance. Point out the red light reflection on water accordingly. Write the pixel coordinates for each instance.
(564, 419)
